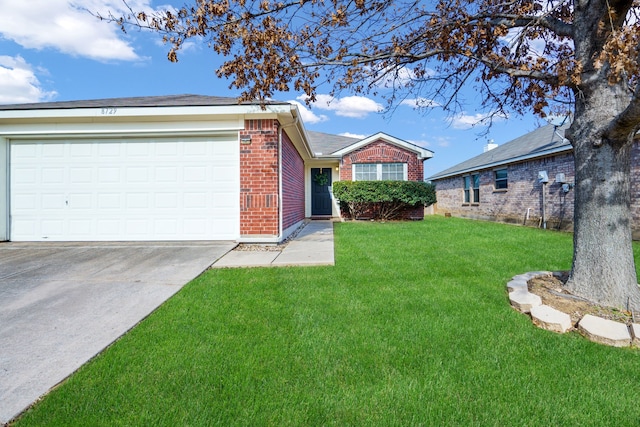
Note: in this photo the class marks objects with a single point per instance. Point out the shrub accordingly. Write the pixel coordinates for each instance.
(382, 199)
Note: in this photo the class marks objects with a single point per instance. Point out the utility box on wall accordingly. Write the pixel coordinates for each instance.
(543, 178)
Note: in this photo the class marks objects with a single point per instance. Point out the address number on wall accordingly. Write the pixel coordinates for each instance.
(109, 111)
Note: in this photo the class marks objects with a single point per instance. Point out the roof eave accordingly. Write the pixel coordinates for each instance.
(155, 111)
(423, 153)
(545, 153)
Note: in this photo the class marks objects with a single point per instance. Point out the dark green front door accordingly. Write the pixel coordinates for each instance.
(320, 195)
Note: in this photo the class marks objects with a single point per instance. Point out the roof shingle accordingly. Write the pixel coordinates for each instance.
(542, 141)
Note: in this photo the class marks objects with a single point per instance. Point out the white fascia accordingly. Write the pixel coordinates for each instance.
(127, 121)
(73, 113)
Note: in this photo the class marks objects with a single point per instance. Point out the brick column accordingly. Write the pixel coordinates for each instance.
(259, 200)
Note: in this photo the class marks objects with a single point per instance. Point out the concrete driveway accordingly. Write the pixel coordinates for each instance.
(61, 304)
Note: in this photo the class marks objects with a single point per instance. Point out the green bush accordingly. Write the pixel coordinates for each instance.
(382, 199)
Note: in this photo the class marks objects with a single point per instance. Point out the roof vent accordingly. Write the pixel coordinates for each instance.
(490, 146)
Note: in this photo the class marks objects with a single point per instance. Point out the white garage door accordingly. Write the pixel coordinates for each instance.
(114, 190)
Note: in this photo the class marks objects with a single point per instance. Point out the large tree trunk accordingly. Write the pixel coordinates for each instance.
(603, 268)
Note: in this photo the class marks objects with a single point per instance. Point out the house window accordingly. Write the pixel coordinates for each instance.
(475, 180)
(467, 188)
(365, 172)
(501, 179)
(380, 172)
(471, 188)
(393, 172)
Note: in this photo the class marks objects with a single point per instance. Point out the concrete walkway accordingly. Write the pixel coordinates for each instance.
(312, 246)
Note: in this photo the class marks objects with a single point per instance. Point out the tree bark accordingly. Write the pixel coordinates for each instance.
(603, 268)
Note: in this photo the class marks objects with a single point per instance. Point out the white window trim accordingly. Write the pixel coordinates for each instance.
(405, 170)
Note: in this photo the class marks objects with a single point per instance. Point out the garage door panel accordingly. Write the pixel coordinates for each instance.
(80, 227)
(109, 149)
(53, 201)
(52, 228)
(109, 201)
(24, 175)
(125, 190)
(82, 201)
(53, 151)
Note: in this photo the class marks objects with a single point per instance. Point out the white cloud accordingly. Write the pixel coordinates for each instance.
(398, 77)
(68, 26)
(417, 103)
(349, 106)
(353, 135)
(308, 116)
(467, 121)
(440, 141)
(18, 82)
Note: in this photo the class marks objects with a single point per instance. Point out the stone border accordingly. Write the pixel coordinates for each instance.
(596, 329)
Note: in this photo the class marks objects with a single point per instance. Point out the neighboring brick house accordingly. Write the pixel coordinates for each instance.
(503, 184)
(181, 167)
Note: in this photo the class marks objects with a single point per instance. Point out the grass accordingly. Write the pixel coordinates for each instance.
(411, 327)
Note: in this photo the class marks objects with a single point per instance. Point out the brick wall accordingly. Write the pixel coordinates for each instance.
(259, 179)
(382, 152)
(521, 202)
(292, 184)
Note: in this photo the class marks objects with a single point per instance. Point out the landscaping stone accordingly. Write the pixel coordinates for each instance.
(635, 334)
(530, 275)
(523, 300)
(517, 285)
(549, 318)
(605, 331)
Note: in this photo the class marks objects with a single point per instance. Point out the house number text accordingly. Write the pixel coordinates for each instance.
(109, 111)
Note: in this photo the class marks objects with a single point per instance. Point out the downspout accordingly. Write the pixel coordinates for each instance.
(544, 217)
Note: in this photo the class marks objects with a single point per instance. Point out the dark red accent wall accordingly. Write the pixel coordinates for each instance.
(292, 183)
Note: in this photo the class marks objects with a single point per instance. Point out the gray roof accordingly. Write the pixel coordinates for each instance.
(140, 101)
(323, 144)
(543, 141)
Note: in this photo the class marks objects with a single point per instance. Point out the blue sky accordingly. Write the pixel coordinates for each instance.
(54, 50)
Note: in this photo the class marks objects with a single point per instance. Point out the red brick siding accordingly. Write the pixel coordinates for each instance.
(524, 193)
(292, 184)
(382, 152)
(259, 178)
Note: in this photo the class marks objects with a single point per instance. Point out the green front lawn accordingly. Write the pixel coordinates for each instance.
(411, 327)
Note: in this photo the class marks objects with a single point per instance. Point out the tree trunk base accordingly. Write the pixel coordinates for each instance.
(620, 297)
